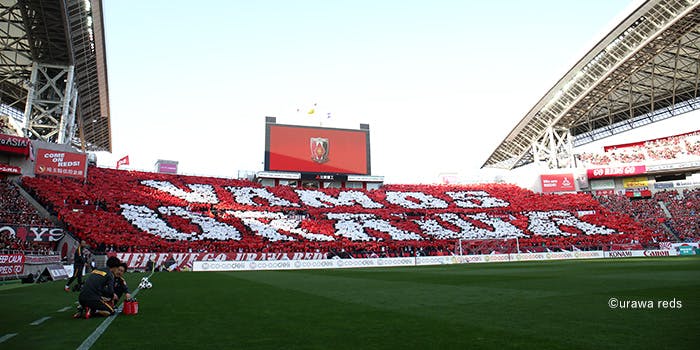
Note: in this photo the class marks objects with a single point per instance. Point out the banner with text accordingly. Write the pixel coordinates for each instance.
(10, 169)
(167, 168)
(11, 264)
(389, 262)
(42, 259)
(33, 233)
(640, 253)
(140, 260)
(59, 163)
(616, 171)
(14, 144)
(636, 182)
(557, 183)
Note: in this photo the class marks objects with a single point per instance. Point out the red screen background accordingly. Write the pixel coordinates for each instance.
(288, 149)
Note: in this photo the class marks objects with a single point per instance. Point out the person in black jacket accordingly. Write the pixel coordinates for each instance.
(120, 286)
(79, 260)
(98, 292)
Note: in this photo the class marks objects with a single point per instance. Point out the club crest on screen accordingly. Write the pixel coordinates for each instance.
(319, 149)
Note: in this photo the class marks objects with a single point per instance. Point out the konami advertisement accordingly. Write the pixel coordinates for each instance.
(317, 150)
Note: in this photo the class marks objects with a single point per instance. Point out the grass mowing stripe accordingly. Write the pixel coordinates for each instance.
(40, 321)
(576, 292)
(6, 337)
(14, 286)
(90, 340)
(509, 306)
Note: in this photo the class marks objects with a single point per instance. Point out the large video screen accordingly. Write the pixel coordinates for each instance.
(317, 150)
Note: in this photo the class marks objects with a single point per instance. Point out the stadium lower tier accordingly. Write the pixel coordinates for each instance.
(137, 211)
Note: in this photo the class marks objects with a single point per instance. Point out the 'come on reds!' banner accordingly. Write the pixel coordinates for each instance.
(60, 163)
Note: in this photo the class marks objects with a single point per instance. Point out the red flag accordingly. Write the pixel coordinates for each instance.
(123, 161)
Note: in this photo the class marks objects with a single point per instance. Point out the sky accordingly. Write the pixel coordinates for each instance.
(441, 83)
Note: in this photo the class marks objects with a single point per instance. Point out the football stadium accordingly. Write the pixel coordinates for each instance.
(596, 247)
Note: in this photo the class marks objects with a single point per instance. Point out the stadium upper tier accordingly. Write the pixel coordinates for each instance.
(138, 211)
(643, 71)
(53, 71)
(679, 148)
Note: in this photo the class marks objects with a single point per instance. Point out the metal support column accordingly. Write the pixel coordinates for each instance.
(554, 148)
(51, 103)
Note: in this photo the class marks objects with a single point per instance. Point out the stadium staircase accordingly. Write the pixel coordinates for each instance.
(671, 232)
(665, 225)
(45, 213)
(665, 209)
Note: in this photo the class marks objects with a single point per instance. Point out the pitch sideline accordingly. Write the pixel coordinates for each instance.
(92, 338)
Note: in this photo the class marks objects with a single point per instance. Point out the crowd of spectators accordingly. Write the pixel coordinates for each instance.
(16, 211)
(129, 211)
(682, 147)
(10, 244)
(680, 221)
(692, 145)
(644, 210)
(684, 207)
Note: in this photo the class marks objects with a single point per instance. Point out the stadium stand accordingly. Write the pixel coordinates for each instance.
(684, 147)
(646, 211)
(682, 206)
(16, 211)
(129, 211)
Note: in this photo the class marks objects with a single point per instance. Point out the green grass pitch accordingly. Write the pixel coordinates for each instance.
(533, 305)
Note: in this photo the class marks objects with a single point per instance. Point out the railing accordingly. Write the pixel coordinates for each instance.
(28, 252)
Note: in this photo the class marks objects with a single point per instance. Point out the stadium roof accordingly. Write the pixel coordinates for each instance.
(645, 70)
(60, 32)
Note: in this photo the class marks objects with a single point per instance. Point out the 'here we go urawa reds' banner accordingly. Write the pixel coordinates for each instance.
(184, 260)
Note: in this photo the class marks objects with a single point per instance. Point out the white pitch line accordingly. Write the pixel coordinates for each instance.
(6, 337)
(90, 341)
(40, 321)
(64, 309)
